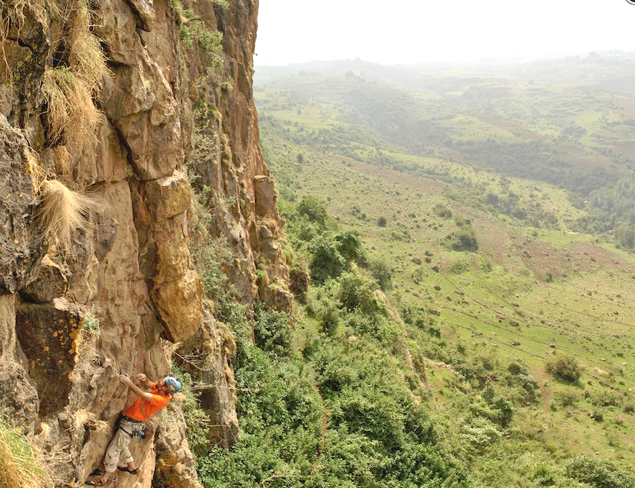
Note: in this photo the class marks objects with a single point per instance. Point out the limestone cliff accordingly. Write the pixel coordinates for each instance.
(110, 100)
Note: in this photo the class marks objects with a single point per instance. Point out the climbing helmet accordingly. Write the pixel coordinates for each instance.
(173, 384)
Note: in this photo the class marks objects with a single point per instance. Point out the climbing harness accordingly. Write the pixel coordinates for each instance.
(139, 429)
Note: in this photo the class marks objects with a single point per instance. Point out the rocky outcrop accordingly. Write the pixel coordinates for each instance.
(228, 159)
(75, 314)
(175, 466)
(161, 218)
(206, 357)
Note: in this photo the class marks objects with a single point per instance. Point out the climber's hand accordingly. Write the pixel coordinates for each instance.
(123, 377)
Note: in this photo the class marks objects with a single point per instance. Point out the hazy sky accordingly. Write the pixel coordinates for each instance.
(412, 31)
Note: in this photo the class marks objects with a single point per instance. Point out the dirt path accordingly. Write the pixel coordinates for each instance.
(546, 386)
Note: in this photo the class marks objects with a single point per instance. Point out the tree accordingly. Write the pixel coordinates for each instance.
(349, 245)
(625, 236)
(382, 273)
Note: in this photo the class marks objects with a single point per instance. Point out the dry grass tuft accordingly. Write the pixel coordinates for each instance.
(45, 430)
(71, 114)
(63, 160)
(69, 89)
(62, 211)
(19, 463)
(82, 418)
(88, 61)
(86, 58)
(179, 397)
(16, 16)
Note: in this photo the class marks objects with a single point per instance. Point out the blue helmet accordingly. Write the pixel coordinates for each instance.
(173, 384)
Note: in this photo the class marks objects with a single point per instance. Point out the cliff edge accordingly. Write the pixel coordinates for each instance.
(110, 112)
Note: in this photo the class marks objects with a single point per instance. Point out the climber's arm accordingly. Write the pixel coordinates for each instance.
(138, 391)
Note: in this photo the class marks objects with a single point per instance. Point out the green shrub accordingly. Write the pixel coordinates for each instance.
(207, 43)
(334, 371)
(378, 436)
(485, 264)
(303, 230)
(496, 409)
(314, 209)
(196, 419)
(566, 398)
(605, 398)
(478, 434)
(358, 292)
(442, 211)
(625, 236)
(419, 317)
(272, 331)
(262, 281)
(349, 245)
(211, 260)
(461, 266)
(326, 261)
(563, 367)
(329, 317)
(503, 411)
(382, 273)
(280, 415)
(599, 473)
(523, 388)
(299, 281)
(91, 323)
(464, 239)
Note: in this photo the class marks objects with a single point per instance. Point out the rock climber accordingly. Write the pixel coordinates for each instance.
(131, 423)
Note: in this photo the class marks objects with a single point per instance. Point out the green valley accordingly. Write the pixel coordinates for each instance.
(459, 249)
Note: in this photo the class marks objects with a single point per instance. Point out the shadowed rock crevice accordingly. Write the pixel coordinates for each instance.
(48, 335)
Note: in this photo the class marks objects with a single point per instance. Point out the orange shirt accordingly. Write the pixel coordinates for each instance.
(143, 410)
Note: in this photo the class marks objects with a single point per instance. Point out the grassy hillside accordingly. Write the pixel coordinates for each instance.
(577, 133)
(491, 279)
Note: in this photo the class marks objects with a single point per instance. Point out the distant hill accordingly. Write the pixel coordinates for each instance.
(611, 70)
(568, 122)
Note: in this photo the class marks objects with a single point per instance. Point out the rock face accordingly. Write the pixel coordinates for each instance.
(229, 161)
(73, 315)
(214, 347)
(18, 255)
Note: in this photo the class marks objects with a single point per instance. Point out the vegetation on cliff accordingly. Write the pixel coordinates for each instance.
(71, 84)
(326, 403)
(20, 464)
